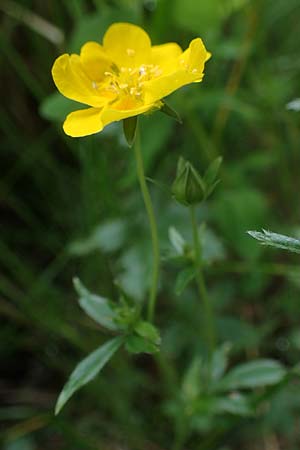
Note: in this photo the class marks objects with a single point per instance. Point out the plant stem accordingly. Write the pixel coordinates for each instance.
(208, 312)
(153, 226)
(181, 433)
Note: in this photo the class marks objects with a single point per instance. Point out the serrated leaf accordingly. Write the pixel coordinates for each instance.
(138, 344)
(96, 307)
(184, 277)
(258, 373)
(87, 369)
(130, 129)
(148, 331)
(276, 240)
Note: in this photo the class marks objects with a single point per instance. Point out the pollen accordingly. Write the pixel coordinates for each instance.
(129, 81)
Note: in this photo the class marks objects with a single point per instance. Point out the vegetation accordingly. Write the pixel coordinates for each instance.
(218, 366)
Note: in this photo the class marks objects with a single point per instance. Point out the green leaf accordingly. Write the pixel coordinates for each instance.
(169, 111)
(148, 331)
(107, 237)
(87, 369)
(177, 240)
(258, 373)
(192, 381)
(236, 404)
(138, 344)
(130, 129)
(184, 277)
(56, 107)
(96, 307)
(219, 361)
(294, 105)
(276, 240)
(212, 247)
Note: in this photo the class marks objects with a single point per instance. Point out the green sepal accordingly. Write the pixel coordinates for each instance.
(212, 171)
(166, 109)
(144, 338)
(148, 331)
(130, 129)
(188, 187)
(137, 344)
(210, 177)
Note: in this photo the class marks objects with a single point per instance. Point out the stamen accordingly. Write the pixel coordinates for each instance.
(129, 81)
(142, 70)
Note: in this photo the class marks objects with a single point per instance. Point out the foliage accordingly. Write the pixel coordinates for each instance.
(277, 240)
(71, 208)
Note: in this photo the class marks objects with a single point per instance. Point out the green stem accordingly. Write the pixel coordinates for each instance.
(181, 433)
(208, 311)
(153, 226)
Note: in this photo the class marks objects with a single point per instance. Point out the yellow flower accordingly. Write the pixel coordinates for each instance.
(123, 77)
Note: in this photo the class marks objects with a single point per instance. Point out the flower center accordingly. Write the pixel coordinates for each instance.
(128, 81)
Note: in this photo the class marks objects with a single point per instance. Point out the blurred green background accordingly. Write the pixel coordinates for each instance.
(72, 207)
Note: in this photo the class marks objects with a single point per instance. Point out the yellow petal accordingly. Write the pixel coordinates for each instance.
(114, 115)
(127, 45)
(83, 122)
(94, 60)
(166, 56)
(194, 58)
(162, 86)
(188, 69)
(73, 82)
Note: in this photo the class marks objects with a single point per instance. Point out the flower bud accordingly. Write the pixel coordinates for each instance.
(188, 187)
